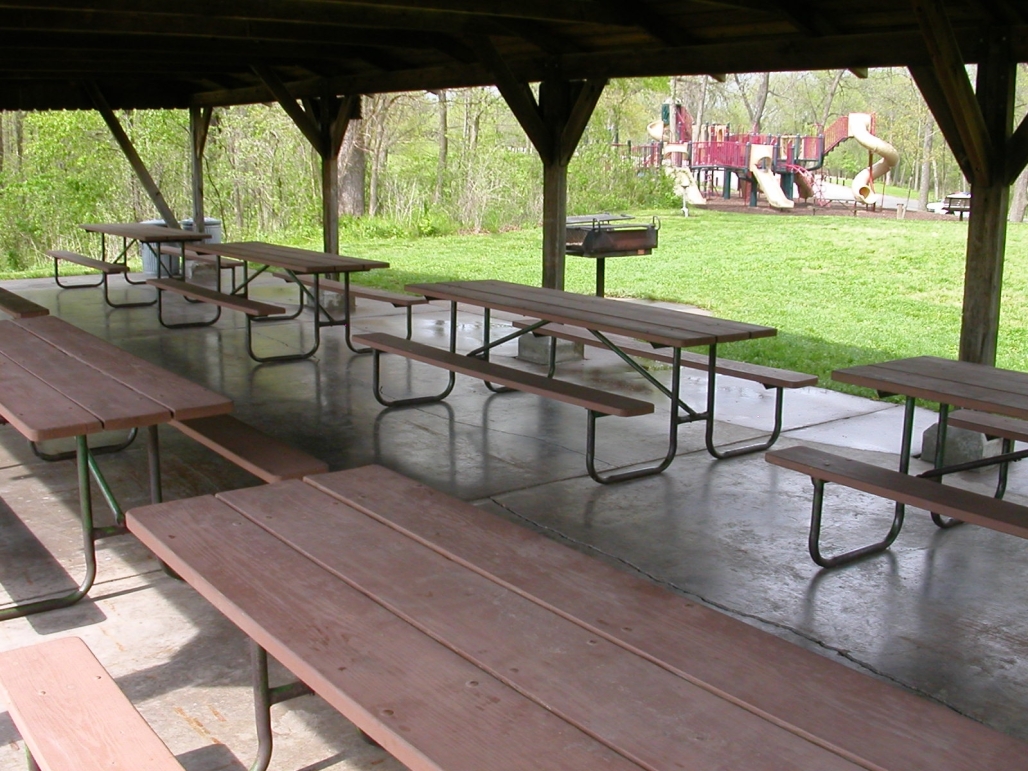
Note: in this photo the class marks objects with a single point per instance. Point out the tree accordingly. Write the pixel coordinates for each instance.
(353, 169)
(757, 102)
(444, 147)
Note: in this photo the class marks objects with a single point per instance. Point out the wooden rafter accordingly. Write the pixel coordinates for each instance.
(129, 150)
(930, 88)
(518, 96)
(951, 74)
(305, 122)
(1017, 151)
(584, 99)
(220, 14)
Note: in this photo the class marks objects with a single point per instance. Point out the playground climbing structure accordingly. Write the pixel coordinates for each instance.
(779, 166)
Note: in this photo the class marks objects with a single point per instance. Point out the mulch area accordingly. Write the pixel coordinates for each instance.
(806, 209)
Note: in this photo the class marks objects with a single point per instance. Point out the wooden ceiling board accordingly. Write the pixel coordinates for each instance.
(149, 54)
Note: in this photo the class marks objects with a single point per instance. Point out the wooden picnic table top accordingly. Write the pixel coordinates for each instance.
(58, 381)
(290, 257)
(654, 324)
(946, 381)
(152, 234)
(461, 641)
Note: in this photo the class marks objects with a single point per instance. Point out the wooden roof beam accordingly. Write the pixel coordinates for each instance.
(518, 95)
(1003, 11)
(955, 86)
(931, 89)
(416, 16)
(1017, 151)
(304, 121)
(895, 49)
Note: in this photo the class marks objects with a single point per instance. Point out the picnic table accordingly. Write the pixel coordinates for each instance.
(605, 318)
(57, 381)
(977, 388)
(130, 234)
(295, 264)
(460, 641)
(957, 203)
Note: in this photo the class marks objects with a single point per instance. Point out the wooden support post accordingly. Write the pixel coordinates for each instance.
(123, 140)
(553, 106)
(199, 124)
(554, 125)
(323, 120)
(990, 200)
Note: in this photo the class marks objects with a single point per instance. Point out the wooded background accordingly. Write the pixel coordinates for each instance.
(430, 163)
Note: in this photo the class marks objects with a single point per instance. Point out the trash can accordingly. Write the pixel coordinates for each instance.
(211, 226)
(149, 256)
(171, 263)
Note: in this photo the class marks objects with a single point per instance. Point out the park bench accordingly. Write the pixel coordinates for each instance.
(71, 714)
(249, 448)
(957, 204)
(396, 299)
(906, 490)
(597, 403)
(19, 307)
(457, 639)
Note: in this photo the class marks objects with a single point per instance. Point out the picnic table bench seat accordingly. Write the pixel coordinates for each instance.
(769, 377)
(100, 265)
(991, 424)
(227, 263)
(596, 402)
(262, 455)
(592, 399)
(459, 640)
(221, 299)
(926, 493)
(396, 299)
(207, 259)
(19, 307)
(71, 714)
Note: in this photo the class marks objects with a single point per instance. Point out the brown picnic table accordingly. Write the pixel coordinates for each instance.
(295, 264)
(606, 319)
(57, 381)
(460, 641)
(973, 387)
(130, 233)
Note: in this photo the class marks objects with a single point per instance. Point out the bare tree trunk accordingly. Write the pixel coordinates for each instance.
(830, 98)
(1019, 198)
(440, 170)
(19, 136)
(926, 163)
(756, 107)
(703, 104)
(353, 167)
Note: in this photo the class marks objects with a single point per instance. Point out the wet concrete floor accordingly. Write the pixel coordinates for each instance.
(942, 614)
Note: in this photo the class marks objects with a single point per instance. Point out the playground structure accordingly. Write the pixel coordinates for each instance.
(778, 166)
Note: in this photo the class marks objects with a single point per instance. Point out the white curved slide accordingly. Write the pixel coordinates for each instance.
(860, 130)
(765, 178)
(685, 182)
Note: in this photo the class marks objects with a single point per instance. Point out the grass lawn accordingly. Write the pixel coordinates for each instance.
(841, 290)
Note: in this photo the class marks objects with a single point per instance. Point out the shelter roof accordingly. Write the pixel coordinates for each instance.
(177, 53)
